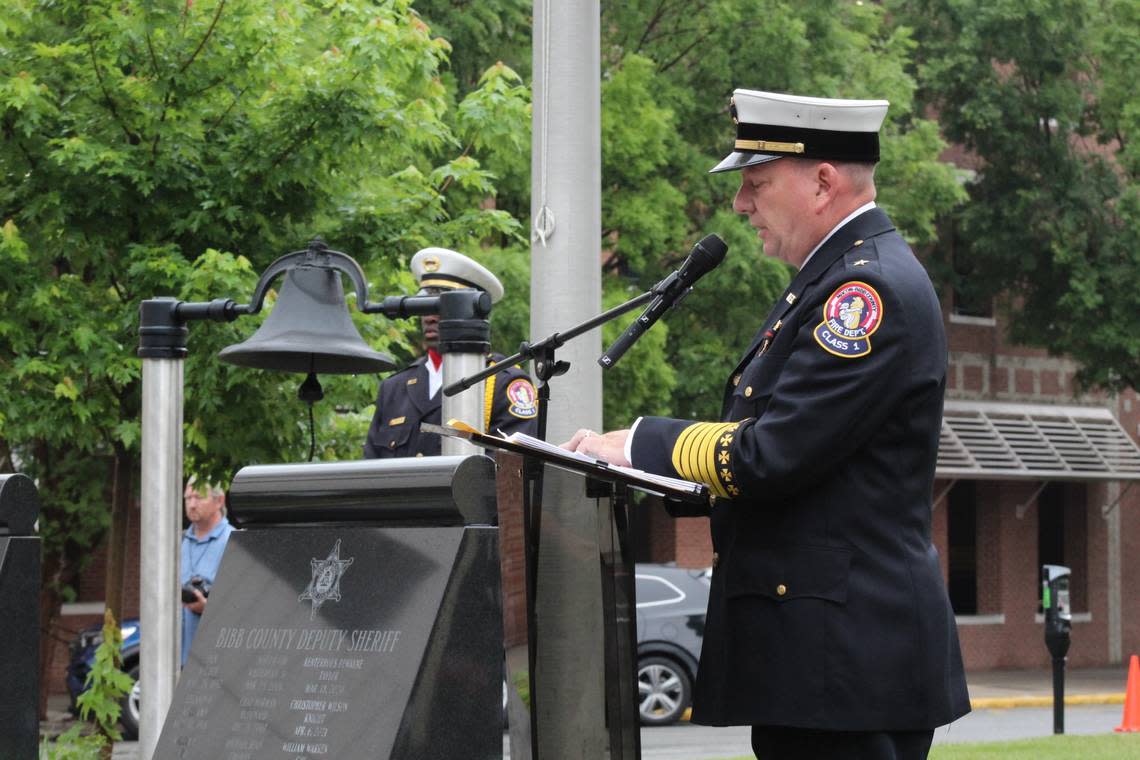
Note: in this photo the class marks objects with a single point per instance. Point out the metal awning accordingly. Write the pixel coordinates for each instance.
(1005, 441)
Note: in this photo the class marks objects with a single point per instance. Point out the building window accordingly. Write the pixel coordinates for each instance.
(1062, 538)
(962, 542)
(971, 297)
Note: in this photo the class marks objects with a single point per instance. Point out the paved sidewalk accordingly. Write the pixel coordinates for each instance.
(993, 689)
(999, 689)
(989, 690)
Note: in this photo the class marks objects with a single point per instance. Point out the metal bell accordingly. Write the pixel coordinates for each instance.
(309, 330)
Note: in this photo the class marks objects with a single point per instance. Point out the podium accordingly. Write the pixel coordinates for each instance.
(563, 617)
(356, 614)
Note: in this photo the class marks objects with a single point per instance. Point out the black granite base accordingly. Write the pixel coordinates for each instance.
(19, 654)
(346, 642)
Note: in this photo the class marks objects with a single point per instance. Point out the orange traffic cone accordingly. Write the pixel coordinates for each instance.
(1131, 720)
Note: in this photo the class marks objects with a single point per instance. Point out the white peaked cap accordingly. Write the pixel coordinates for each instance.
(451, 270)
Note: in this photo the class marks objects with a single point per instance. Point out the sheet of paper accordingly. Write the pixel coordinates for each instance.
(662, 480)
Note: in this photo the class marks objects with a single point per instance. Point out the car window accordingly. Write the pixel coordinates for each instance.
(652, 591)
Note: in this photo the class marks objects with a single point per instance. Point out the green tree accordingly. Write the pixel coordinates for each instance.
(1043, 93)
(106, 685)
(176, 149)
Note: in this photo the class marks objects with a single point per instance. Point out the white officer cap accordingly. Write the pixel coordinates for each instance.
(444, 268)
(771, 125)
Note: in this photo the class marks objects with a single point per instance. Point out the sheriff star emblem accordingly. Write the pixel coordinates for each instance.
(325, 583)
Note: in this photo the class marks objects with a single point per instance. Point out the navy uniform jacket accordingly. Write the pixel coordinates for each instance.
(827, 608)
(402, 403)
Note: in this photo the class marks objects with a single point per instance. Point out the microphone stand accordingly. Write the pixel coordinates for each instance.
(546, 367)
(542, 353)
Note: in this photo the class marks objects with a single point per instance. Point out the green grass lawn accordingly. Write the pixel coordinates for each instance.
(1098, 747)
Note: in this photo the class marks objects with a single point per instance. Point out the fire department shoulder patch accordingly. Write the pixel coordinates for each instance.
(850, 316)
(523, 399)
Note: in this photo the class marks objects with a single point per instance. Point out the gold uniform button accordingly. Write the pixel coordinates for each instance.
(391, 444)
(716, 559)
(735, 380)
(419, 453)
(781, 590)
(748, 392)
(858, 243)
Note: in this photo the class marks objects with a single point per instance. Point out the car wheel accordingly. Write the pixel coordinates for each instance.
(663, 691)
(129, 718)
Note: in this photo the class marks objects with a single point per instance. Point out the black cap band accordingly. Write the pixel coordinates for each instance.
(769, 139)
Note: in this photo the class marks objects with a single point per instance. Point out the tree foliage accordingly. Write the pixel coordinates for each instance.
(177, 149)
(1043, 93)
(106, 683)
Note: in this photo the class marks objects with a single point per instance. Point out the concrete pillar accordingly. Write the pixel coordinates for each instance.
(566, 291)
(160, 604)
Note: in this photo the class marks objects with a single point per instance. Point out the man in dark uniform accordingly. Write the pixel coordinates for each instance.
(829, 630)
(413, 396)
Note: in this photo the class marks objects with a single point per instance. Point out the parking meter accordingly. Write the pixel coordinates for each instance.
(1058, 623)
(1055, 603)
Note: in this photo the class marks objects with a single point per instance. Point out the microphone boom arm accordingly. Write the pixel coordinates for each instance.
(529, 350)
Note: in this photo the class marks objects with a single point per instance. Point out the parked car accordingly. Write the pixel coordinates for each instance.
(83, 659)
(671, 604)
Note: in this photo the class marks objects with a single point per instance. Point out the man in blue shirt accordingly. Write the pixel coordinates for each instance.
(202, 547)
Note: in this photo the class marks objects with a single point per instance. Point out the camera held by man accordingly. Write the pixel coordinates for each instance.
(198, 583)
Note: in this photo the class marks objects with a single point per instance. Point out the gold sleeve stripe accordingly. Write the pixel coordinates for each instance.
(684, 451)
(692, 455)
(488, 402)
(695, 455)
(679, 447)
(701, 463)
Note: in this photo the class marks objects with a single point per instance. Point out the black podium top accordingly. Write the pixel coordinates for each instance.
(437, 491)
(19, 505)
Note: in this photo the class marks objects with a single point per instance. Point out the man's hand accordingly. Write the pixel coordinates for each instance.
(198, 605)
(609, 447)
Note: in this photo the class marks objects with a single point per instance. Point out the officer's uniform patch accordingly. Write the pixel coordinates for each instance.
(850, 316)
(523, 398)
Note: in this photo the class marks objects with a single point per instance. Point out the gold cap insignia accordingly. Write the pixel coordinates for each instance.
(431, 263)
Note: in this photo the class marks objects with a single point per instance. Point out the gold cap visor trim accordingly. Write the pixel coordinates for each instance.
(768, 146)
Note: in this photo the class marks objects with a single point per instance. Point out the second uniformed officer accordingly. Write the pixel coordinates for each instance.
(413, 395)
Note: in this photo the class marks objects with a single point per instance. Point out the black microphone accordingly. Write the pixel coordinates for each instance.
(705, 256)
